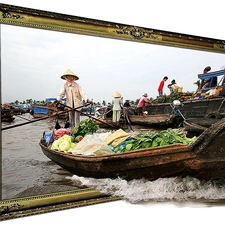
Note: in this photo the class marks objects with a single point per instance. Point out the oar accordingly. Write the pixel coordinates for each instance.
(126, 117)
(36, 120)
(75, 109)
(22, 117)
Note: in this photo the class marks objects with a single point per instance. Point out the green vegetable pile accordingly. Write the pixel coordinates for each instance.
(148, 140)
(85, 127)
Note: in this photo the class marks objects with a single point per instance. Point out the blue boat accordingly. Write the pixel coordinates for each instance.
(39, 111)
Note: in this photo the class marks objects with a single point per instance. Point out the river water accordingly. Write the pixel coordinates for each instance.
(27, 171)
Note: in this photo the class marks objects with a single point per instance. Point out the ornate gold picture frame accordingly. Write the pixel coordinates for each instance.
(38, 19)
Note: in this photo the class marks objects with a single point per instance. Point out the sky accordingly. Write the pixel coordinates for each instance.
(33, 60)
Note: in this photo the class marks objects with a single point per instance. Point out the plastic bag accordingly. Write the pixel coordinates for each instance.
(61, 132)
(93, 145)
(49, 138)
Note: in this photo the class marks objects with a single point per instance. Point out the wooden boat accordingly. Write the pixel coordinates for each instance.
(40, 111)
(7, 119)
(201, 104)
(6, 115)
(204, 159)
(198, 125)
(159, 120)
(104, 122)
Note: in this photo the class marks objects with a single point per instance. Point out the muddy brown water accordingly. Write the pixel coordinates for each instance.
(26, 171)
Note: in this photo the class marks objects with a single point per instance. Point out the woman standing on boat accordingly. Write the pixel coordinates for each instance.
(117, 103)
(74, 95)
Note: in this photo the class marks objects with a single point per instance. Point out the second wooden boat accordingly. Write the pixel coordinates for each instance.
(159, 120)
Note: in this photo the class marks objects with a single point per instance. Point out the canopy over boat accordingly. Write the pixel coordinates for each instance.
(212, 74)
(213, 78)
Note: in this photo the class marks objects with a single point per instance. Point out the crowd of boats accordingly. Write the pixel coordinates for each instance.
(195, 112)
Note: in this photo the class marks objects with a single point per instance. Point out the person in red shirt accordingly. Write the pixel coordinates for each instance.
(161, 85)
(141, 107)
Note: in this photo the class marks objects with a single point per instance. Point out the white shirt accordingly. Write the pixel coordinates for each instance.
(74, 94)
(116, 103)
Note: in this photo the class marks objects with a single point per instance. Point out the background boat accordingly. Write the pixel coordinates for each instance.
(198, 125)
(6, 115)
(49, 109)
(202, 104)
(158, 120)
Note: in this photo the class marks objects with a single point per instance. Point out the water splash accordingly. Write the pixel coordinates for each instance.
(163, 189)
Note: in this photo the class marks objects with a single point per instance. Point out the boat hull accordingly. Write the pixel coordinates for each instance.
(132, 165)
(199, 124)
(8, 120)
(193, 108)
(157, 120)
(204, 159)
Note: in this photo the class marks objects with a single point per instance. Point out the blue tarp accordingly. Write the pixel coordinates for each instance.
(50, 99)
(53, 99)
(40, 110)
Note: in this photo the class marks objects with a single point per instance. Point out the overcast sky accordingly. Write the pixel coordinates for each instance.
(33, 60)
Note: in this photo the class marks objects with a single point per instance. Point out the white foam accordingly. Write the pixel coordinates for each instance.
(163, 189)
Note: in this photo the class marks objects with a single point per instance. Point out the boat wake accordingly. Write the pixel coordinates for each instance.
(161, 190)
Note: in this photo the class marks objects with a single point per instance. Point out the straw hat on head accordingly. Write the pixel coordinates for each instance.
(116, 95)
(69, 72)
(145, 95)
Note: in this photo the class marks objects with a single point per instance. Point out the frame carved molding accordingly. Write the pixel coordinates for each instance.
(33, 18)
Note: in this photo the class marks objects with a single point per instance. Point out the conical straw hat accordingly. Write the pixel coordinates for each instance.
(69, 72)
(116, 95)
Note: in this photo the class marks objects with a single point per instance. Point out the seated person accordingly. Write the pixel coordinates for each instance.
(176, 87)
(214, 92)
(127, 104)
(171, 89)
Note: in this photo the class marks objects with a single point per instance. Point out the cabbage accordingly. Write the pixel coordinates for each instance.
(55, 144)
(64, 145)
(72, 146)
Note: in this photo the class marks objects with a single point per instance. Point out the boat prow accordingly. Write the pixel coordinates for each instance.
(209, 149)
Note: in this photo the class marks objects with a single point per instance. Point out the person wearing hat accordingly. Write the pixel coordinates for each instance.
(97, 113)
(74, 95)
(141, 107)
(117, 107)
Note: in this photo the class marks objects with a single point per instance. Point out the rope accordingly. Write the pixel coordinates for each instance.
(218, 110)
